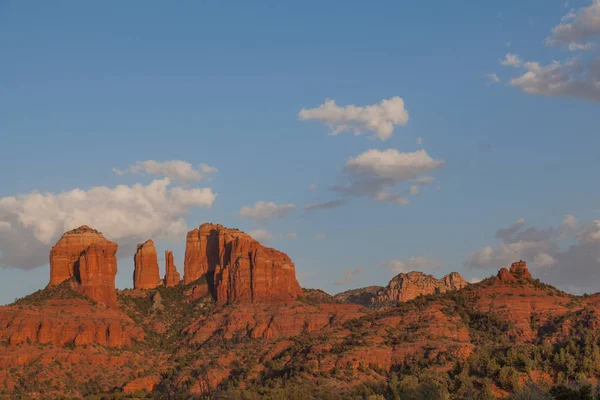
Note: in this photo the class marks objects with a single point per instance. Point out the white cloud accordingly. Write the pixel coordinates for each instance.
(262, 235)
(262, 211)
(349, 276)
(511, 60)
(492, 79)
(375, 173)
(175, 170)
(475, 280)
(581, 46)
(412, 264)
(325, 205)
(377, 118)
(566, 79)
(414, 190)
(32, 223)
(423, 180)
(574, 27)
(291, 235)
(320, 236)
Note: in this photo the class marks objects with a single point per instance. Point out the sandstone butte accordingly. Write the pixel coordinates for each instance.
(407, 286)
(88, 257)
(172, 277)
(238, 268)
(146, 274)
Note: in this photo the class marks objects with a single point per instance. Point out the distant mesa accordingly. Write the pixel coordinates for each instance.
(238, 268)
(407, 286)
(146, 274)
(88, 257)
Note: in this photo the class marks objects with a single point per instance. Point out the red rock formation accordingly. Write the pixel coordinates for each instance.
(519, 270)
(505, 276)
(87, 256)
(97, 271)
(405, 287)
(65, 254)
(237, 267)
(172, 277)
(146, 274)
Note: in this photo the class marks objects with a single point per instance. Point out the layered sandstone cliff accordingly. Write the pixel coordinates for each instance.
(172, 277)
(237, 268)
(90, 258)
(405, 287)
(146, 274)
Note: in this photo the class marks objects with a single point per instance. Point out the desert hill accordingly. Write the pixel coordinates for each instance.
(238, 326)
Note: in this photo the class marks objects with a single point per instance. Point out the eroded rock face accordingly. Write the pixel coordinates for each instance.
(172, 277)
(405, 287)
(146, 274)
(65, 254)
(97, 271)
(518, 270)
(90, 258)
(237, 267)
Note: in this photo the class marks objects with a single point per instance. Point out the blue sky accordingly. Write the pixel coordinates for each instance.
(88, 87)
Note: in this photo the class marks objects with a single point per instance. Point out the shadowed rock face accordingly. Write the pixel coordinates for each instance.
(237, 267)
(172, 277)
(405, 287)
(146, 274)
(87, 256)
(97, 271)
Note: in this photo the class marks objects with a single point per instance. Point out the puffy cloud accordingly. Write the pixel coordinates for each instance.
(377, 118)
(412, 264)
(349, 276)
(492, 79)
(261, 235)
(511, 60)
(262, 211)
(320, 236)
(175, 169)
(575, 27)
(567, 79)
(325, 205)
(567, 256)
(32, 223)
(375, 173)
